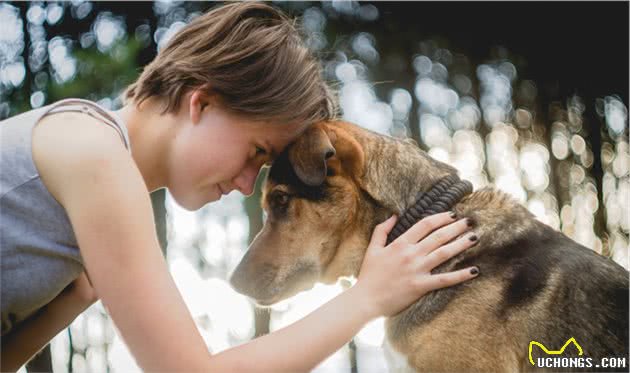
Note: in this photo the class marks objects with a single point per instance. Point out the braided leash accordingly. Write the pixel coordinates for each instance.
(440, 198)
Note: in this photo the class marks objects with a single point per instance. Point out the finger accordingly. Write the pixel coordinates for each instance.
(379, 236)
(425, 226)
(447, 279)
(443, 236)
(448, 251)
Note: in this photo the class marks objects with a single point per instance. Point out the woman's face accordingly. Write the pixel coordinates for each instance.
(215, 152)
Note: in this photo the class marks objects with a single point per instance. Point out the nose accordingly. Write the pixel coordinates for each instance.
(253, 278)
(247, 178)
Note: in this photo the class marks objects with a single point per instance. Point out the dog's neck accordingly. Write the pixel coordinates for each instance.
(397, 171)
(392, 174)
(442, 197)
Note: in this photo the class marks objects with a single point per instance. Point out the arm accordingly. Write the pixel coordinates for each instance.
(109, 207)
(302, 345)
(33, 334)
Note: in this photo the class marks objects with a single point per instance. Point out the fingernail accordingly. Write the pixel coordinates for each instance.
(474, 271)
(469, 222)
(453, 215)
(473, 238)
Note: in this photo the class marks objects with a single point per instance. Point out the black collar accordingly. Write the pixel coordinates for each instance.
(440, 198)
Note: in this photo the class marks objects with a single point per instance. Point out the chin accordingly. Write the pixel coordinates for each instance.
(188, 206)
(195, 201)
(190, 203)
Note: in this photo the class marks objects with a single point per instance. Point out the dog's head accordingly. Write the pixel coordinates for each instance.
(322, 203)
(311, 198)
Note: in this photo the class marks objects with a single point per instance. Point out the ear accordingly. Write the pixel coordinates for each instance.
(358, 148)
(199, 99)
(308, 155)
(350, 153)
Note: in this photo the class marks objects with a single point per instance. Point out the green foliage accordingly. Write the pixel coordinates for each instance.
(100, 74)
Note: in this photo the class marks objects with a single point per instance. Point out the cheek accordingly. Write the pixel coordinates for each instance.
(189, 163)
(184, 170)
(209, 160)
(339, 209)
(224, 157)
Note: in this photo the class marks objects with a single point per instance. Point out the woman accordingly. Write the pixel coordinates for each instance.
(228, 93)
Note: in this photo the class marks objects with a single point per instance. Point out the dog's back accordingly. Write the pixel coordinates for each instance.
(536, 285)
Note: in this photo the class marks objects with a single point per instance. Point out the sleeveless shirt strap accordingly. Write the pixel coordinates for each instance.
(90, 108)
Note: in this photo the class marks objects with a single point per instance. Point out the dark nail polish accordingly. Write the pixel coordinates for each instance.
(453, 215)
(473, 238)
(469, 222)
(474, 271)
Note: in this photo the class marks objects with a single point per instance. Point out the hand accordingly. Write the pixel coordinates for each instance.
(397, 275)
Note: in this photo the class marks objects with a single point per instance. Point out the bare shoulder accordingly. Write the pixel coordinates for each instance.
(87, 168)
(70, 147)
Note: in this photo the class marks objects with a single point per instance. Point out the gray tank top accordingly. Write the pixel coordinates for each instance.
(39, 255)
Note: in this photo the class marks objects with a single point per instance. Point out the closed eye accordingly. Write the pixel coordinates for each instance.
(260, 151)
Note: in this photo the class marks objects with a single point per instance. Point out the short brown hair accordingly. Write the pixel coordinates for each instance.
(251, 55)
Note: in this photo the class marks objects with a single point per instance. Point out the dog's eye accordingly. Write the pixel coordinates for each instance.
(282, 198)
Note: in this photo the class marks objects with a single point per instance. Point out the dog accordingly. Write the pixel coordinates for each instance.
(328, 190)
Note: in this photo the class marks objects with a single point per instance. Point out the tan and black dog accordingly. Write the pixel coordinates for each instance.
(325, 194)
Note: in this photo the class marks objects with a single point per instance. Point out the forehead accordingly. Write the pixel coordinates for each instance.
(275, 135)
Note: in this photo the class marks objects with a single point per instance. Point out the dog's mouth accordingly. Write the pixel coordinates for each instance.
(265, 286)
(265, 303)
(283, 295)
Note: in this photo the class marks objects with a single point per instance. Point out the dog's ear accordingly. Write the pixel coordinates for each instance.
(350, 154)
(308, 155)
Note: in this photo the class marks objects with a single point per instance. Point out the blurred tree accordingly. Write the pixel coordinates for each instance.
(547, 42)
(564, 50)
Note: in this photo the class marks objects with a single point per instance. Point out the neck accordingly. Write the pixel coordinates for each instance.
(149, 132)
(397, 171)
(442, 197)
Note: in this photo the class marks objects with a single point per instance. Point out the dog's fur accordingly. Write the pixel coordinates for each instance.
(327, 191)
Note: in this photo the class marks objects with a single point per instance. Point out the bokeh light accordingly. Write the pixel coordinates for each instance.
(485, 117)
